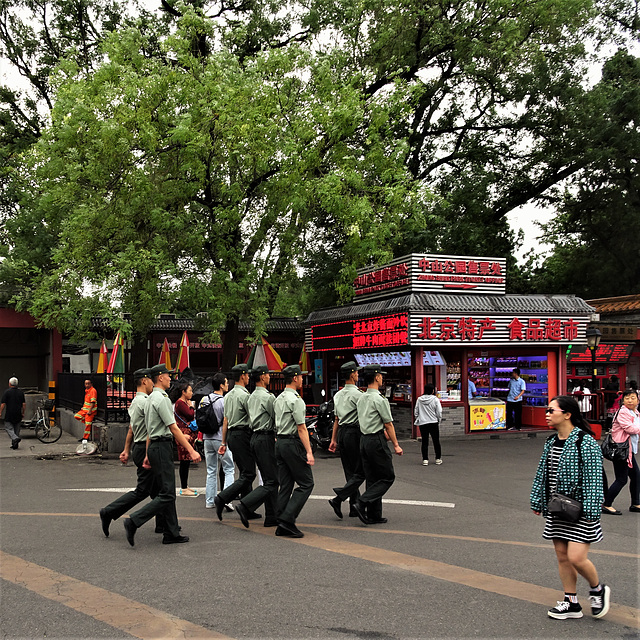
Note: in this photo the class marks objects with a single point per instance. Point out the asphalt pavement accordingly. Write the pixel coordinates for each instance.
(461, 556)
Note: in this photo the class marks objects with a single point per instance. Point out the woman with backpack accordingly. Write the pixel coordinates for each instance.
(571, 465)
(625, 427)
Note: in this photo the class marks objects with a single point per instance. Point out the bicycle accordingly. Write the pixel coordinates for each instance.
(47, 431)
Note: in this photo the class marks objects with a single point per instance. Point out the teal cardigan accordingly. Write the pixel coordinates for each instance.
(585, 487)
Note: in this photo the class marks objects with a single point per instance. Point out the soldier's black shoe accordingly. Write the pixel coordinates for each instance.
(294, 532)
(106, 521)
(270, 522)
(281, 531)
(167, 539)
(378, 520)
(359, 509)
(335, 505)
(219, 505)
(243, 512)
(352, 512)
(130, 529)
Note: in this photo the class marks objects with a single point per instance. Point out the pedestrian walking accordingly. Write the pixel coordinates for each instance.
(625, 428)
(236, 433)
(346, 439)
(161, 426)
(263, 446)
(135, 447)
(376, 425)
(428, 413)
(212, 441)
(571, 465)
(184, 413)
(293, 453)
(13, 401)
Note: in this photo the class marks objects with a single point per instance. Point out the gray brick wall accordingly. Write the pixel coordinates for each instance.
(453, 422)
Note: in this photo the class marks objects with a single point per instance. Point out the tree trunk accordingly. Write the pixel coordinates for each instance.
(139, 354)
(230, 343)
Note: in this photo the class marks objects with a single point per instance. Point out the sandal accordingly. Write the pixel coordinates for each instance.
(188, 493)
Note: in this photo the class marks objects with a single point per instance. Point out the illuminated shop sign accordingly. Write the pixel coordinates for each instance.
(433, 273)
(464, 329)
(614, 353)
(369, 333)
(398, 358)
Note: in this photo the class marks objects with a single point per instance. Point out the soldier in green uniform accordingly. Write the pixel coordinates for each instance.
(346, 438)
(293, 454)
(263, 442)
(161, 426)
(236, 433)
(374, 416)
(136, 447)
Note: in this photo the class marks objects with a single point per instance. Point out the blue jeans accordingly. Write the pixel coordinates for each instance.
(212, 456)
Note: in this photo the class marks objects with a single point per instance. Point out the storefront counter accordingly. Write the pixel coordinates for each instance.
(534, 417)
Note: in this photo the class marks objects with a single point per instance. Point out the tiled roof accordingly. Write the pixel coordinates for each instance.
(456, 303)
(167, 323)
(619, 304)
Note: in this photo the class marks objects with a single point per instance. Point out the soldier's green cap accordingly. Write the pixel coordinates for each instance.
(292, 370)
(349, 367)
(141, 373)
(241, 368)
(373, 368)
(158, 369)
(260, 370)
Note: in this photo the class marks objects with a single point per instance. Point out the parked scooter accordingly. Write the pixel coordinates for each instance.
(320, 427)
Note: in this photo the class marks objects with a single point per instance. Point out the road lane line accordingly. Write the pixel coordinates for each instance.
(201, 490)
(363, 529)
(621, 614)
(134, 618)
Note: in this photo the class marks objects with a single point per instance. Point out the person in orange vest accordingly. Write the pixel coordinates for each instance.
(89, 409)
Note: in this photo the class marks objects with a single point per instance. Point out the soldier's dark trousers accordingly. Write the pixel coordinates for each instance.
(349, 445)
(160, 455)
(292, 468)
(146, 487)
(378, 471)
(263, 447)
(239, 441)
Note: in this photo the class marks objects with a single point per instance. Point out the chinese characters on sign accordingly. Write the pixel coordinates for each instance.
(619, 353)
(461, 273)
(381, 331)
(380, 280)
(498, 330)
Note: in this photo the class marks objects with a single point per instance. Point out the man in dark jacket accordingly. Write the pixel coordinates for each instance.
(14, 402)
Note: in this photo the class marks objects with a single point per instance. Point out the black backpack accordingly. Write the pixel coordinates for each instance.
(206, 418)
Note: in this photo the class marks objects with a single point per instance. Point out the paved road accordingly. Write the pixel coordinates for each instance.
(470, 563)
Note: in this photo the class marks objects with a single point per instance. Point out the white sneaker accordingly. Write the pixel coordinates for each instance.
(425, 463)
(438, 460)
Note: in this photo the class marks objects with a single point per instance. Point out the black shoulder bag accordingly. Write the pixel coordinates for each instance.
(563, 507)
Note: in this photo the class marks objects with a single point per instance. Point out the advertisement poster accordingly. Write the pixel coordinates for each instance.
(487, 416)
(318, 370)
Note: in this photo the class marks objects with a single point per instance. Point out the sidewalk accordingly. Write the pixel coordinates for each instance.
(31, 447)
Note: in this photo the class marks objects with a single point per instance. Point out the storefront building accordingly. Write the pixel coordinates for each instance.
(448, 320)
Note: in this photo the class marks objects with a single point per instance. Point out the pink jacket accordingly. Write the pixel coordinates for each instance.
(626, 424)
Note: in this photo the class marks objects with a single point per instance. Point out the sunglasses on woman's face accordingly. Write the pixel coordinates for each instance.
(551, 410)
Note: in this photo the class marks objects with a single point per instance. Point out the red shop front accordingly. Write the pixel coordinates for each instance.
(447, 320)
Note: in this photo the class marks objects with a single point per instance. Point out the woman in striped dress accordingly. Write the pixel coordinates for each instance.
(571, 464)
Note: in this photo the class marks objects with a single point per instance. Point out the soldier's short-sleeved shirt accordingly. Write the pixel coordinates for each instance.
(290, 411)
(261, 410)
(373, 411)
(158, 414)
(235, 407)
(136, 416)
(345, 404)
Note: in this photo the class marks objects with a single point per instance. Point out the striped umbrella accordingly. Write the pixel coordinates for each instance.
(183, 354)
(102, 358)
(165, 357)
(264, 354)
(116, 362)
(305, 359)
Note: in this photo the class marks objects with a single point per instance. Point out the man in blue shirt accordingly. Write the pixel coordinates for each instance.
(517, 387)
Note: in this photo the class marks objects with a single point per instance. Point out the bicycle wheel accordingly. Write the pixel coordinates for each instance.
(47, 432)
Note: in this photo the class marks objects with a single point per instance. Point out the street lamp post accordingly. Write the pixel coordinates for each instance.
(593, 340)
